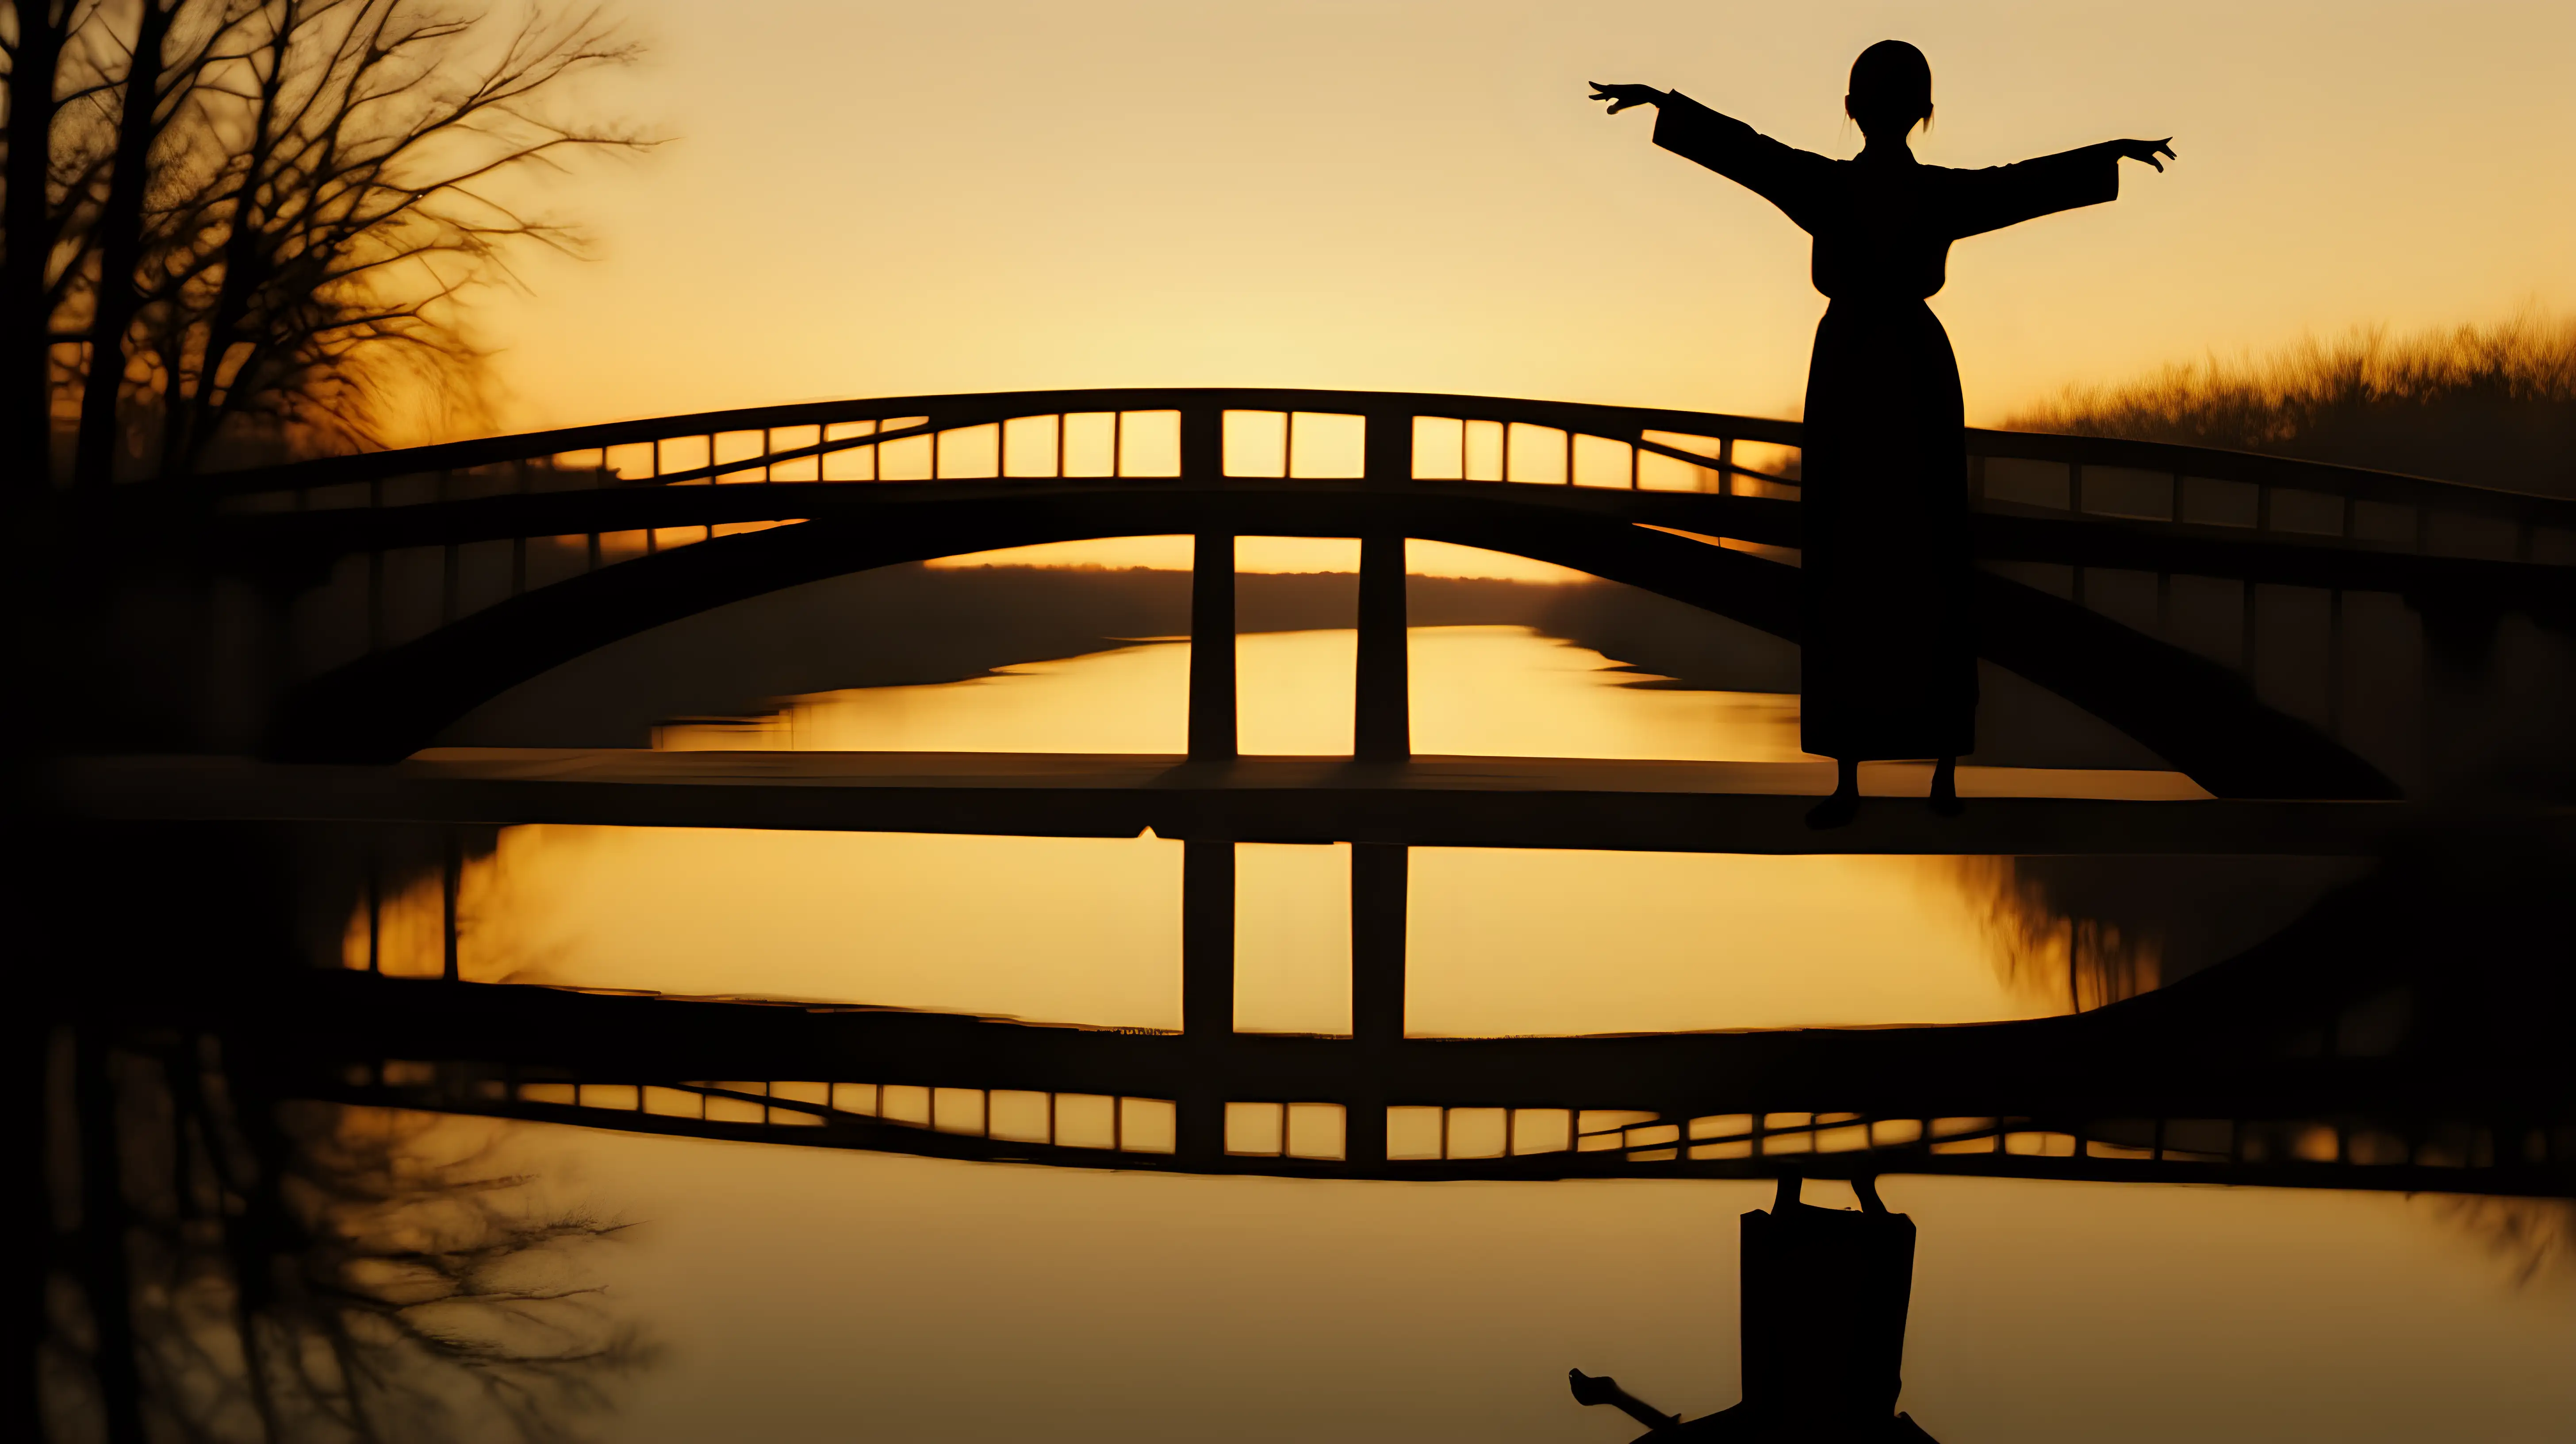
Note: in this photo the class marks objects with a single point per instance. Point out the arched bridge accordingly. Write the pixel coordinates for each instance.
(2254, 621)
(2189, 597)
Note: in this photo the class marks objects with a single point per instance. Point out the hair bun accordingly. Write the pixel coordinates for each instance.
(1891, 75)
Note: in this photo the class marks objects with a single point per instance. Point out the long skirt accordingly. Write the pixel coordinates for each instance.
(1890, 656)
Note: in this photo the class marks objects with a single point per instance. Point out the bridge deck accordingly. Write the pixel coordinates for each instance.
(1430, 801)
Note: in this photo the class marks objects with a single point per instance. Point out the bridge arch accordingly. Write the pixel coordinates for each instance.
(2199, 716)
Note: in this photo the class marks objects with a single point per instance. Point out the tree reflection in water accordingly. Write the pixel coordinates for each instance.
(2533, 1239)
(283, 1270)
(2045, 952)
(2075, 933)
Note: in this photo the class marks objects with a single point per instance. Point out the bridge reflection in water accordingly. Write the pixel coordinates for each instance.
(2397, 1034)
(2321, 1057)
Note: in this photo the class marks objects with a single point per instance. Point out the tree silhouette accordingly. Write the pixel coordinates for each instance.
(245, 227)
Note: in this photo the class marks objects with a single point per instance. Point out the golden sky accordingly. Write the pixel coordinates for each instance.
(882, 197)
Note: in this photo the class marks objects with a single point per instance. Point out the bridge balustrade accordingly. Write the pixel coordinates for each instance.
(1138, 433)
(2316, 1104)
(2305, 579)
(2159, 538)
(2459, 1154)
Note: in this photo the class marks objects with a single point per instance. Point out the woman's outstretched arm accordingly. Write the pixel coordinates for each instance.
(1724, 144)
(2007, 195)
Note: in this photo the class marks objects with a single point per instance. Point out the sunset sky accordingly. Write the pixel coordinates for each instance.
(863, 197)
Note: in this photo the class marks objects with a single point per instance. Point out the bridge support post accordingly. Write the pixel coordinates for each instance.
(2458, 656)
(1212, 726)
(1207, 992)
(1382, 731)
(1207, 939)
(451, 879)
(1380, 877)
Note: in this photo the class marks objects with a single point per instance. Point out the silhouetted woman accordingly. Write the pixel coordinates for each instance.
(1890, 668)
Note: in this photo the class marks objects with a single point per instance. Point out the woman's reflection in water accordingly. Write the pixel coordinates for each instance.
(1886, 587)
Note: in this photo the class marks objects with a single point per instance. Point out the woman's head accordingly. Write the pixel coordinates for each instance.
(1891, 89)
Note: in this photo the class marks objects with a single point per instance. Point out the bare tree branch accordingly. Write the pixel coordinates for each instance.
(322, 187)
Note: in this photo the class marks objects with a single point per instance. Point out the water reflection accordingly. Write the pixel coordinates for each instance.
(2531, 1240)
(1080, 930)
(821, 1295)
(248, 1266)
(441, 1282)
(1498, 942)
(1536, 941)
(815, 1293)
(2077, 933)
(802, 1294)
(1501, 691)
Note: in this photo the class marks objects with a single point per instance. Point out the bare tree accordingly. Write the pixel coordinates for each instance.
(37, 33)
(261, 215)
(152, 85)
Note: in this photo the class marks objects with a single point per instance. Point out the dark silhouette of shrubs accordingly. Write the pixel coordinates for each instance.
(2488, 405)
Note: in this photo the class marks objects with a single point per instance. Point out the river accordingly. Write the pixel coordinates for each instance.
(818, 1294)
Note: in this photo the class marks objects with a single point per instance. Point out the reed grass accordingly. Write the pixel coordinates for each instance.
(2491, 405)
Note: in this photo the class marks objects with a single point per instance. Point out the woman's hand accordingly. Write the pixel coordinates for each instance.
(1623, 96)
(2146, 150)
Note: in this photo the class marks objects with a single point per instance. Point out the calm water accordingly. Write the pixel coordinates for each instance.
(1478, 691)
(813, 1294)
(1501, 941)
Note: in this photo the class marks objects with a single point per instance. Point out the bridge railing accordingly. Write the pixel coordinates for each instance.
(1211, 433)
(2298, 576)
(2335, 1150)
